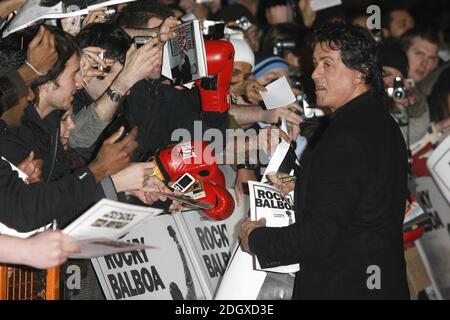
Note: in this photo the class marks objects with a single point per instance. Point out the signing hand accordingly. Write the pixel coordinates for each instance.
(280, 181)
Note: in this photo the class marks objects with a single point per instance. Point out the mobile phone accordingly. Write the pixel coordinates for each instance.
(101, 55)
(139, 41)
(183, 183)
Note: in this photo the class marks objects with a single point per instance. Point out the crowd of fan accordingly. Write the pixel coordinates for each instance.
(58, 118)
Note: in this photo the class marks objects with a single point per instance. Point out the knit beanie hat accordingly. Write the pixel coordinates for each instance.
(266, 63)
(242, 51)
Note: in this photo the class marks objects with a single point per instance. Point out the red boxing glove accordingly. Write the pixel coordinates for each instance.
(220, 198)
(215, 88)
(193, 157)
(197, 159)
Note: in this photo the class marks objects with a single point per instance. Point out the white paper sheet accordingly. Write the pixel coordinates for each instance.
(317, 5)
(278, 94)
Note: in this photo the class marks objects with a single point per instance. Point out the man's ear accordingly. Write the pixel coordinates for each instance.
(45, 89)
(48, 86)
(359, 77)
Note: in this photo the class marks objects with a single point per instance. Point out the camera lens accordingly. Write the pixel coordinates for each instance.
(399, 93)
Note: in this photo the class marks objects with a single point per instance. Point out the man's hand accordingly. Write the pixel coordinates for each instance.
(150, 193)
(41, 52)
(290, 112)
(267, 140)
(246, 228)
(89, 62)
(253, 89)
(308, 14)
(243, 176)
(164, 32)
(113, 156)
(48, 249)
(97, 87)
(282, 182)
(96, 16)
(249, 88)
(293, 131)
(152, 190)
(32, 168)
(139, 64)
(278, 14)
(133, 177)
(8, 6)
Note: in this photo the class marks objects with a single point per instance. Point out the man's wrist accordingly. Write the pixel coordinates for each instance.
(116, 182)
(27, 74)
(261, 115)
(98, 174)
(114, 95)
(121, 85)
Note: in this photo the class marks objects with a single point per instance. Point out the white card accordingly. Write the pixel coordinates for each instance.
(317, 5)
(278, 94)
(165, 69)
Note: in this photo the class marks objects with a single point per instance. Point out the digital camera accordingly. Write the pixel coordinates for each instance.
(213, 30)
(281, 46)
(398, 91)
(110, 13)
(139, 41)
(244, 23)
(101, 55)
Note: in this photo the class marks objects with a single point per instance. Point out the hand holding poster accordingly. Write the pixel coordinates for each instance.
(267, 202)
(99, 228)
(36, 10)
(184, 57)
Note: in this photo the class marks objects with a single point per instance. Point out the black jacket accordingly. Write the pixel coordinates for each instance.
(350, 204)
(159, 109)
(41, 136)
(28, 207)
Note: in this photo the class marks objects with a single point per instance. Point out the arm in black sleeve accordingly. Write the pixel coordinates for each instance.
(333, 193)
(187, 106)
(28, 207)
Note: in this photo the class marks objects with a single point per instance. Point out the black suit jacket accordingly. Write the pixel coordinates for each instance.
(350, 203)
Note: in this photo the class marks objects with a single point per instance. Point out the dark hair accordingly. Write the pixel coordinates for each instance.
(175, 7)
(136, 14)
(107, 36)
(66, 47)
(428, 34)
(359, 50)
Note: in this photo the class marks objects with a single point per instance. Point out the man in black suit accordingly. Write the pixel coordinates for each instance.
(350, 196)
